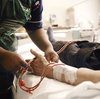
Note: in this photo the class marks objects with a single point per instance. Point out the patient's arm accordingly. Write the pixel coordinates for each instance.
(82, 74)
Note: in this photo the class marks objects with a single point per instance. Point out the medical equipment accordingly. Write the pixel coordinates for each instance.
(87, 34)
(52, 19)
(29, 89)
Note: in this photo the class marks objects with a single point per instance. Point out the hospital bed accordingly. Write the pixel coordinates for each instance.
(50, 88)
(53, 89)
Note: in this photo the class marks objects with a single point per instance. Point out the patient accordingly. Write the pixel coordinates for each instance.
(68, 74)
(77, 54)
(81, 60)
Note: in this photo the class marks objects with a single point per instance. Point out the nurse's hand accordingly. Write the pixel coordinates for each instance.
(51, 55)
(11, 61)
(39, 63)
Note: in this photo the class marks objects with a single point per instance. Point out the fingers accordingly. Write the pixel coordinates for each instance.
(52, 57)
(30, 69)
(19, 70)
(34, 53)
(48, 58)
(21, 66)
(27, 60)
(55, 58)
(23, 63)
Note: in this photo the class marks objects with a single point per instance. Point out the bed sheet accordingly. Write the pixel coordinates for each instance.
(53, 89)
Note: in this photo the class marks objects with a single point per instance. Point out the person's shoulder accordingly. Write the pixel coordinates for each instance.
(37, 5)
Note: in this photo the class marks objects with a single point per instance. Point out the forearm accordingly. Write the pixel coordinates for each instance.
(85, 74)
(82, 74)
(39, 37)
(1, 51)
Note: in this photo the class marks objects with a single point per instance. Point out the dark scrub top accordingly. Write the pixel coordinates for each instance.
(35, 21)
(13, 15)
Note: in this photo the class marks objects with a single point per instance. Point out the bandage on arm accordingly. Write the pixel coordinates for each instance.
(65, 73)
(75, 76)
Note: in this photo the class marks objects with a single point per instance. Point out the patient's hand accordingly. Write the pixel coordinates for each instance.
(39, 63)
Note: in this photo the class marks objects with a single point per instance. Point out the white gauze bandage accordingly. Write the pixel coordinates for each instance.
(57, 72)
(69, 72)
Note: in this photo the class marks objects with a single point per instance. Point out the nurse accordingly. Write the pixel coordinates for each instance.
(13, 15)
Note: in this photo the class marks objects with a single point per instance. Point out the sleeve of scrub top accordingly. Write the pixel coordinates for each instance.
(36, 17)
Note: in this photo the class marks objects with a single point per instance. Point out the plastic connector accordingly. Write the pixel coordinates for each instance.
(26, 66)
(29, 92)
(22, 83)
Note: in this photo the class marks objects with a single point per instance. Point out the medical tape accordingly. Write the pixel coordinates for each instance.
(57, 72)
(69, 72)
